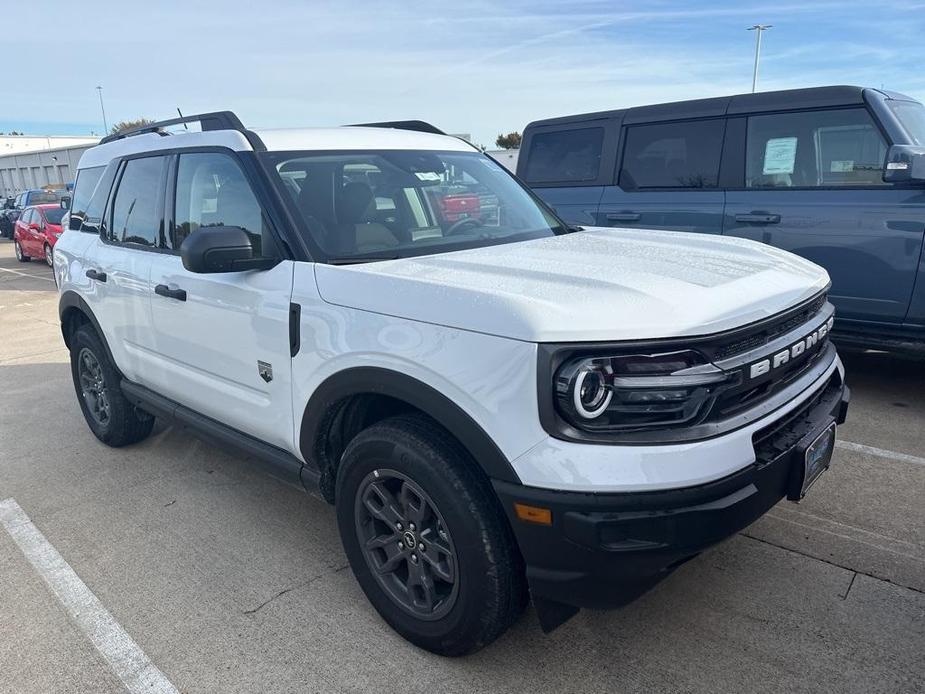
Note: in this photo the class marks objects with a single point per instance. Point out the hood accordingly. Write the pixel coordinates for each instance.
(598, 284)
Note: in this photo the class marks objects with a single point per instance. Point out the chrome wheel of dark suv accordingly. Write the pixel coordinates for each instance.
(406, 544)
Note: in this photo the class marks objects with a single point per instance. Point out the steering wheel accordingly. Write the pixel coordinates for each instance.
(461, 224)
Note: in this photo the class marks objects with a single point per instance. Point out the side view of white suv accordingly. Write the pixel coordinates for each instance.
(500, 407)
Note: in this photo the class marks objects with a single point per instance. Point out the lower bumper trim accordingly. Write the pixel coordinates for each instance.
(604, 550)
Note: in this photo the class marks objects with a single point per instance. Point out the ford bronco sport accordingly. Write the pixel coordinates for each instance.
(499, 406)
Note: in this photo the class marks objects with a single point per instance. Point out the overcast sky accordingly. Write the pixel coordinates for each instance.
(478, 66)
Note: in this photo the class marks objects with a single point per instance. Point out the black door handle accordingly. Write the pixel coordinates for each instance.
(98, 276)
(623, 216)
(164, 290)
(758, 218)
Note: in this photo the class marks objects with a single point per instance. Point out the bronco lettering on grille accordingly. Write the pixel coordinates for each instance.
(803, 346)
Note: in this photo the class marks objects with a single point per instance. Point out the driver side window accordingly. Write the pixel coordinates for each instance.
(213, 191)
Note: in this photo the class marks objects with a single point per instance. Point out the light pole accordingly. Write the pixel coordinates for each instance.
(757, 28)
(105, 124)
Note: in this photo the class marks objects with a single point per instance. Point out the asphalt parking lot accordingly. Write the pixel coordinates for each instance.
(230, 581)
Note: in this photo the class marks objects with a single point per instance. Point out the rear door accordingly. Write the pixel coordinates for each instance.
(812, 183)
(568, 164)
(222, 340)
(121, 261)
(668, 178)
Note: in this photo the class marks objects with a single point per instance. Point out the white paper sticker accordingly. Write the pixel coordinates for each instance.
(841, 166)
(780, 153)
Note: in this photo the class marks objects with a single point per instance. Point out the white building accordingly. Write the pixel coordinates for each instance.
(14, 144)
(39, 168)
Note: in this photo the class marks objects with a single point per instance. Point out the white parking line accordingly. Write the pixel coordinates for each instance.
(26, 274)
(124, 656)
(881, 452)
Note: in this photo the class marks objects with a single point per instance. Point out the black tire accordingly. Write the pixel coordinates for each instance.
(489, 591)
(20, 255)
(110, 416)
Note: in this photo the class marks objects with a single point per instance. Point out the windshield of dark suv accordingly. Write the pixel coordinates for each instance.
(43, 197)
(912, 115)
(370, 205)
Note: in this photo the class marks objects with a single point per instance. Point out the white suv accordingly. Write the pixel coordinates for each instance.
(498, 405)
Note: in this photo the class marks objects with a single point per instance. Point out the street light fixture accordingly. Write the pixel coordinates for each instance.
(758, 29)
(105, 124)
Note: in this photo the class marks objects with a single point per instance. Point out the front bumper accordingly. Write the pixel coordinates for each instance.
(603, 550)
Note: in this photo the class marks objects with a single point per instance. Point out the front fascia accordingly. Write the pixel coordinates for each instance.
(568, 466)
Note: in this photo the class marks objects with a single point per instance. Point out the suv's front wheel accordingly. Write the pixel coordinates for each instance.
(425, 538)
(109, 414)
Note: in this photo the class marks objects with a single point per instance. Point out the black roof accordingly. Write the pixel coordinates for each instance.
(812, 97)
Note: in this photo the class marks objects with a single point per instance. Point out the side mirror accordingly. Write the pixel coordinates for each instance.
(905, 164)
(221, 249)
(65, 203)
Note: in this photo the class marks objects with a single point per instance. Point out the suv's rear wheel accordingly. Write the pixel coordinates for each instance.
(425, 539)
(20, 255)
(110, 416)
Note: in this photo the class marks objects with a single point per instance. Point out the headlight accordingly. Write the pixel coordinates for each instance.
(638, 391)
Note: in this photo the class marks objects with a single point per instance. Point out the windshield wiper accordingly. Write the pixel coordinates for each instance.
(359, 259)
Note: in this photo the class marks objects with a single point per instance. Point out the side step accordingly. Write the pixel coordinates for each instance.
(281, 464)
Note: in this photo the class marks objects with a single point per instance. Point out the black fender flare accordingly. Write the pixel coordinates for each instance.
(379, 381)
(70, 301)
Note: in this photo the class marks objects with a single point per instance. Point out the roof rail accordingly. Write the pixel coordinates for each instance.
(218, 120)
(416, 125)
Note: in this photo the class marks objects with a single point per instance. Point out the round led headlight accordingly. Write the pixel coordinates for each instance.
(590, 393)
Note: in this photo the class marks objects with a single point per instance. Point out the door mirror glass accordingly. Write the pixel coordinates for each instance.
(221, 249)
(905, 164)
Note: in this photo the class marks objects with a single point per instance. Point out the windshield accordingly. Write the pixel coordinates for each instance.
(369, 205)
(912, 116)
(42, 197)
(53, 215)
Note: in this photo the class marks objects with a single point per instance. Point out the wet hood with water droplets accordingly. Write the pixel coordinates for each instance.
(598, 284)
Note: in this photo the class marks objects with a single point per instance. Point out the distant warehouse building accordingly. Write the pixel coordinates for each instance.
(54, 165)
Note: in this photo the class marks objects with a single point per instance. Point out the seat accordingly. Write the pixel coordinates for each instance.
(353, 206)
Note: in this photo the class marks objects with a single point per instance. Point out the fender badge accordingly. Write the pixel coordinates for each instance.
(265, 370)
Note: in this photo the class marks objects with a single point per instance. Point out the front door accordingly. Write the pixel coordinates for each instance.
(222, 340)
(814, 186)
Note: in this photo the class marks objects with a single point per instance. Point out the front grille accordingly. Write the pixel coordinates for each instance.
(743, 397)
(769, 330)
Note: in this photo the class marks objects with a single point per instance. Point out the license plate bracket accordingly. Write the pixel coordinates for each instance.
(813, 455)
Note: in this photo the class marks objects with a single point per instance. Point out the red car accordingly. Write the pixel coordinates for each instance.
(36, 232)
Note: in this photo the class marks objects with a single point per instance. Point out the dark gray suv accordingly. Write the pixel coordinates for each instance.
(835, 174)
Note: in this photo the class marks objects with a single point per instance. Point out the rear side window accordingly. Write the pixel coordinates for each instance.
(565, 156)
(135, 216)
(673, 155)
(814, 149)
(83, 191)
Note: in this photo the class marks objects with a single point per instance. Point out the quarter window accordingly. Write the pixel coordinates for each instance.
(212, 191)
(135, 217)
(814, 149)
(673, 155)
(565, 156)
(83, 191)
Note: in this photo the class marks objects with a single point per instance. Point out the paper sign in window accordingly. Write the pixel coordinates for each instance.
(780, 153)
